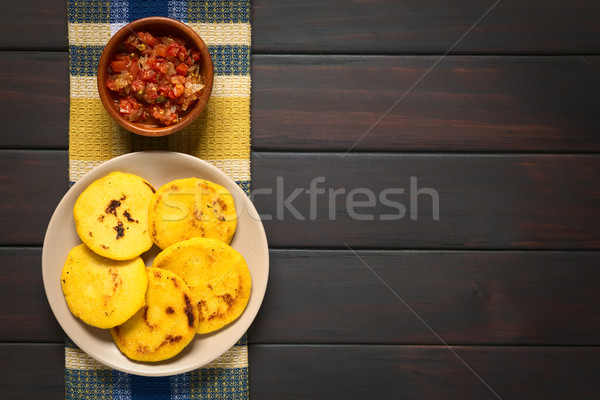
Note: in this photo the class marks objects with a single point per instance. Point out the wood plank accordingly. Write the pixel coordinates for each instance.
(461, 297)
(373, 26)
(25, 315)
(38, 83)
(463, 104)
(329, 103)
(407, 372)
(34, 25)
(353, 372)
(485, 201)
(332, 297)
(31, 186)
(388, 26)
(32, 371)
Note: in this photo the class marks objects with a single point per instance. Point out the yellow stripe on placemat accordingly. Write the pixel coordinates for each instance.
(96, 137)
(93, 134)
(235, 357)
(89, 34)
(221, 132)
(76, 359)
(238, 170)
(223, 34)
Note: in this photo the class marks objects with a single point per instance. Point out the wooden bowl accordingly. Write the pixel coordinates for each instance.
(157, 26)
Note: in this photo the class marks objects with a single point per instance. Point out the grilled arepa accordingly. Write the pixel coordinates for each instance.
(111, 216)
(191, 207)
(217, 276)
(165, 325)
(103, 292)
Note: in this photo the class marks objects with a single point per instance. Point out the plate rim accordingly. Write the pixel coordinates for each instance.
(80, 186)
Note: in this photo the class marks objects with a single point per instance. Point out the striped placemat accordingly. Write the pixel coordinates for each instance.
(220, 136)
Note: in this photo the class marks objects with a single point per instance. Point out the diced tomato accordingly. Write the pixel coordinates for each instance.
(163, 67)
(160, 50)
(138, 85)
(131, 42)
(111, 84)
(182, 69)
(177, 79)
(148, 75)
(134, 68)
(150, 94)
(147, 38)
(173, 50)
(171, 119)
(156, 112)
(195, 55)
(177, 91)
(127, 105)
(163, 90)
(119, 66)
(152, 63)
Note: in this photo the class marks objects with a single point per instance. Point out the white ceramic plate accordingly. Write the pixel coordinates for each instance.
(157, 168)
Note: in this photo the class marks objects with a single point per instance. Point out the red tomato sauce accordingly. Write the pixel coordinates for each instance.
(156, 78)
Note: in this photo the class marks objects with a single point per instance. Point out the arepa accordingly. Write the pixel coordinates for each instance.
(164, 326)
(191, 207)
(100, 291)
(217, 276)
(111, 216)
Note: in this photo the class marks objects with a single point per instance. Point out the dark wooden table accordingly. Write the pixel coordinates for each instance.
(493, 106)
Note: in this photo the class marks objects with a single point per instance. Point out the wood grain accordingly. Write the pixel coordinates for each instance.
(401, 104)
(31, 186)
(424, 297)
(388, 26)
(34, 92)
(25, 315)
(312, 103)
(415, 372)
(368, 27)
(33, 25)
(500, 298)
(32, 371)
(485, 201)
(353, 372)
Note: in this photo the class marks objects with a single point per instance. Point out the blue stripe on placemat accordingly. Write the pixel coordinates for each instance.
(150, 388)
(84, 60)
(88, 384)
(121, 386)
(245, 185)
(218, 11)
(244, 339)
(180, 387)
(219, 383)
(230, 59)
(88, 12)
(147, 8)
(119, 11)
(227, 59)
(178, 10)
